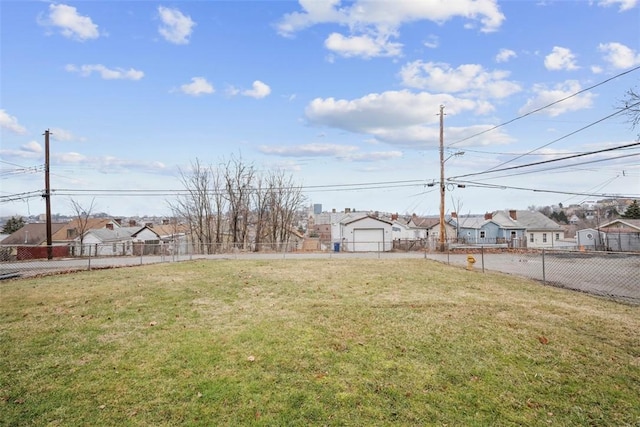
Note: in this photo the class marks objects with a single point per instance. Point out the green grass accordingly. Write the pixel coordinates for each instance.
(315, 342)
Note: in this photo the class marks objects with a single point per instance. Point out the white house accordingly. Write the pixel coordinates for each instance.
(366, 234)
(116, 241)
(402, 231)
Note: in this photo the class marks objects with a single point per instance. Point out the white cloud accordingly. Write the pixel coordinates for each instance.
(32, 147)
(64, 135)
(415, 136)
(176, 27)
(467, 79)
(106, 73)
(343, 152)
(387, 15)
(396, 117)
(10, 122)
(624, 4)
(432, 42)
(505, 55)
(70, 23)
(373, 23)
(259, 90)
(560, 58)
(376, 156)
(392, 109)
(545, 96)
(198, 86)
(309, 150)
(362, 46)
(30, 150)
(619, 56)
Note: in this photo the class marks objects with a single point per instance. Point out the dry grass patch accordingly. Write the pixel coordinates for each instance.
(313, 342)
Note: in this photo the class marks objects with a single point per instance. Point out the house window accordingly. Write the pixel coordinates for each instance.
(557, 236)
(531, 237)
(482, 234)
(544, 237)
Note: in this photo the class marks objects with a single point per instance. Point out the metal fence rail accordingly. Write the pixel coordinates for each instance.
(608, 274)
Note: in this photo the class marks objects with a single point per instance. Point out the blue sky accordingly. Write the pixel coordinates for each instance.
(335, 93)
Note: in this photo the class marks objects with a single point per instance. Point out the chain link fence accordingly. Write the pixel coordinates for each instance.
(613, 275)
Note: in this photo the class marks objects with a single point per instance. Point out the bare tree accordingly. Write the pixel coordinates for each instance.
(260, 197)
(284, 199)
(630, 106)
(195, 207)
(235, 203)
(81, 215)
(238, 178)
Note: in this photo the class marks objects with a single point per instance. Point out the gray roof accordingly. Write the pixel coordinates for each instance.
(117, 235)
(525, 219)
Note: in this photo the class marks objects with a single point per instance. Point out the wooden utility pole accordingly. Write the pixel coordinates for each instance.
(441, 240)
(47, 194)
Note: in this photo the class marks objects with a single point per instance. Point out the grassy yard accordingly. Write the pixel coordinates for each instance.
(314, 342)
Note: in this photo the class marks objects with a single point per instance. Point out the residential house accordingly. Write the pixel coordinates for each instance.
(365, 234)
(173, 237)
(429, 228)
(539, 230)
(477, 229)
(75, 227)
(622, 235)
(515, 228)
(118, 241)
(30, 242)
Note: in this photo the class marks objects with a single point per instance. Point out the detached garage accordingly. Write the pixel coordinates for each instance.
(366, 234)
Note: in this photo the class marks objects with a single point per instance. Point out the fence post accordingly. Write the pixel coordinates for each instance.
(141, 252)
(89, 264)
(482, 257)
(544, 272)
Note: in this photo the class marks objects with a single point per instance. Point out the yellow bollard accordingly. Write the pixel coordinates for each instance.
(470, 261)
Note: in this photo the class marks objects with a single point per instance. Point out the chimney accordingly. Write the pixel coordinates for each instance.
(513, 215)
(488, 215)
(347, 210)
(165, 222)
(394, 217)
(109, 226)
(132, 223)
(454, 215)
(333, 210)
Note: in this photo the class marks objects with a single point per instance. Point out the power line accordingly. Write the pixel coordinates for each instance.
(545, 107)
(540, 190)
(550, 161)
(565, 136)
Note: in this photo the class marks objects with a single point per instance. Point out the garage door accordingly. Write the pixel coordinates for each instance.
(368, 239)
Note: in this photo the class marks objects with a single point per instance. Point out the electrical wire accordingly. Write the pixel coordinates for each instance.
(565, 136)
(546, 106)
